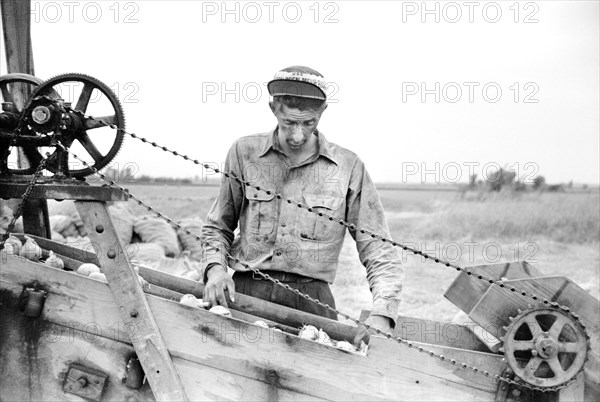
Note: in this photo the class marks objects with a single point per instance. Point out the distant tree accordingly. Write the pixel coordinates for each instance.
(539, 182)
(473, 181)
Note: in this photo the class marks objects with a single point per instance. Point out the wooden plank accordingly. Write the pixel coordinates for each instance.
(451, 334)
(211, 384)
(64, 250)
(465, 291)
(129, 297)
(83, 192)
(230, 345)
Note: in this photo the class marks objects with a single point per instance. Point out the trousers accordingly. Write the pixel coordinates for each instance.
(254, 285)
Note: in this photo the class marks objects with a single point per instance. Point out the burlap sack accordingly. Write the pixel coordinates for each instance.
(123, 220)
(82, 243)
(65, 207)
(58, 237)
(188, 242)
(182, 267)
(155, 230)
(145, 252)
(64, 225)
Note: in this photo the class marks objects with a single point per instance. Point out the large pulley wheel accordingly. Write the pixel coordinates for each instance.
(15, 91)
(96, 140)
(545, 347)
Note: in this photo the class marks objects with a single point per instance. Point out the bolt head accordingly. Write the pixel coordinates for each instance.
(41, 114)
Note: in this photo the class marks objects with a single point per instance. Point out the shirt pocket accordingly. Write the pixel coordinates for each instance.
(320, 228)
(262, 212)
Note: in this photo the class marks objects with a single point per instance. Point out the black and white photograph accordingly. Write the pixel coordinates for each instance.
(301, 200)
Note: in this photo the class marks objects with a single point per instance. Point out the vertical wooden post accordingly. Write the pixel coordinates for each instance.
(16, 20)
(35, 218)
(133, 306)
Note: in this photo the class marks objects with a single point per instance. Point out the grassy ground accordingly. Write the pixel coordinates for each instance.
(557, 233)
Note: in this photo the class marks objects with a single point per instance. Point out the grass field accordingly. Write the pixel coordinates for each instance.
(559, 233)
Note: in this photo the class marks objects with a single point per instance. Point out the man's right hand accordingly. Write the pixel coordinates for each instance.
(217, 281)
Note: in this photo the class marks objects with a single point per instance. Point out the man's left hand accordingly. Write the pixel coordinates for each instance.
(378, 321)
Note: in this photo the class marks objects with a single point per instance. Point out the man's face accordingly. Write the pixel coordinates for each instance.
(295, 126)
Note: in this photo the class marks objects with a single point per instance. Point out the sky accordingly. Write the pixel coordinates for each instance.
(422, 91)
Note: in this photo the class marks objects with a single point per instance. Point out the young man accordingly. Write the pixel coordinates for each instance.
(292, 244)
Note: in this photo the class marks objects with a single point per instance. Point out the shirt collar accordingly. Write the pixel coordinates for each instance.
(325, 148)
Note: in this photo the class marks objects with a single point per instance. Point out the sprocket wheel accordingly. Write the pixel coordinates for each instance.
(101, 142)
(16, 88)
(545, 347)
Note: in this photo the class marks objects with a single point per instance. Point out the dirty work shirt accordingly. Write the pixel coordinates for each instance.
(279, 236)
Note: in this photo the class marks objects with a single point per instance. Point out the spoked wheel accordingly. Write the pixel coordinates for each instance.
(15, 91)
(545, 347)
(78, 97)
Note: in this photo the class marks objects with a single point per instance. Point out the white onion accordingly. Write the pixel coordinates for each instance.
(98, 276)
(309, 332)
(13, 245)
(323, 338)
(221, 311)
(87, 269)
(347, 346)
(54, 261)
(31, 250)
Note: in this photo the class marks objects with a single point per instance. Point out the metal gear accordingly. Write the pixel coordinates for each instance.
(81, 126)
(545, 347)
(12, 88)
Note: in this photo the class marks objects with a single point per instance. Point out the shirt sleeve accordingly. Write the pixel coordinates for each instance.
(382, 261)
(222, 219)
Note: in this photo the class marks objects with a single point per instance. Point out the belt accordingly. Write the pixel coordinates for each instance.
(279, 275)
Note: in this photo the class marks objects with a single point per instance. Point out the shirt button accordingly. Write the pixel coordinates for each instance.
(255, 195)
(278, 253)
(283, 224)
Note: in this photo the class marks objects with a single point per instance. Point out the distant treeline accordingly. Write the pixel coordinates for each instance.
(502, 180)
(507, 180)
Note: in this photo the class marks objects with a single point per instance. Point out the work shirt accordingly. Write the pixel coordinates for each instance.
(277, 235)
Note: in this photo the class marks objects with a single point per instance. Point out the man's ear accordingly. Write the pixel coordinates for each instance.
(273, 106)
(325, 104)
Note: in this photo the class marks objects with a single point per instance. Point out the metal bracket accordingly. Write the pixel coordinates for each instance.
(32, 301)
(85, 382)
(134, 374)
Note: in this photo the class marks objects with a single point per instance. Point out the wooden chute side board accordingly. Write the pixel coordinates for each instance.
(256, 363)
(450, 334)
(465, 291)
